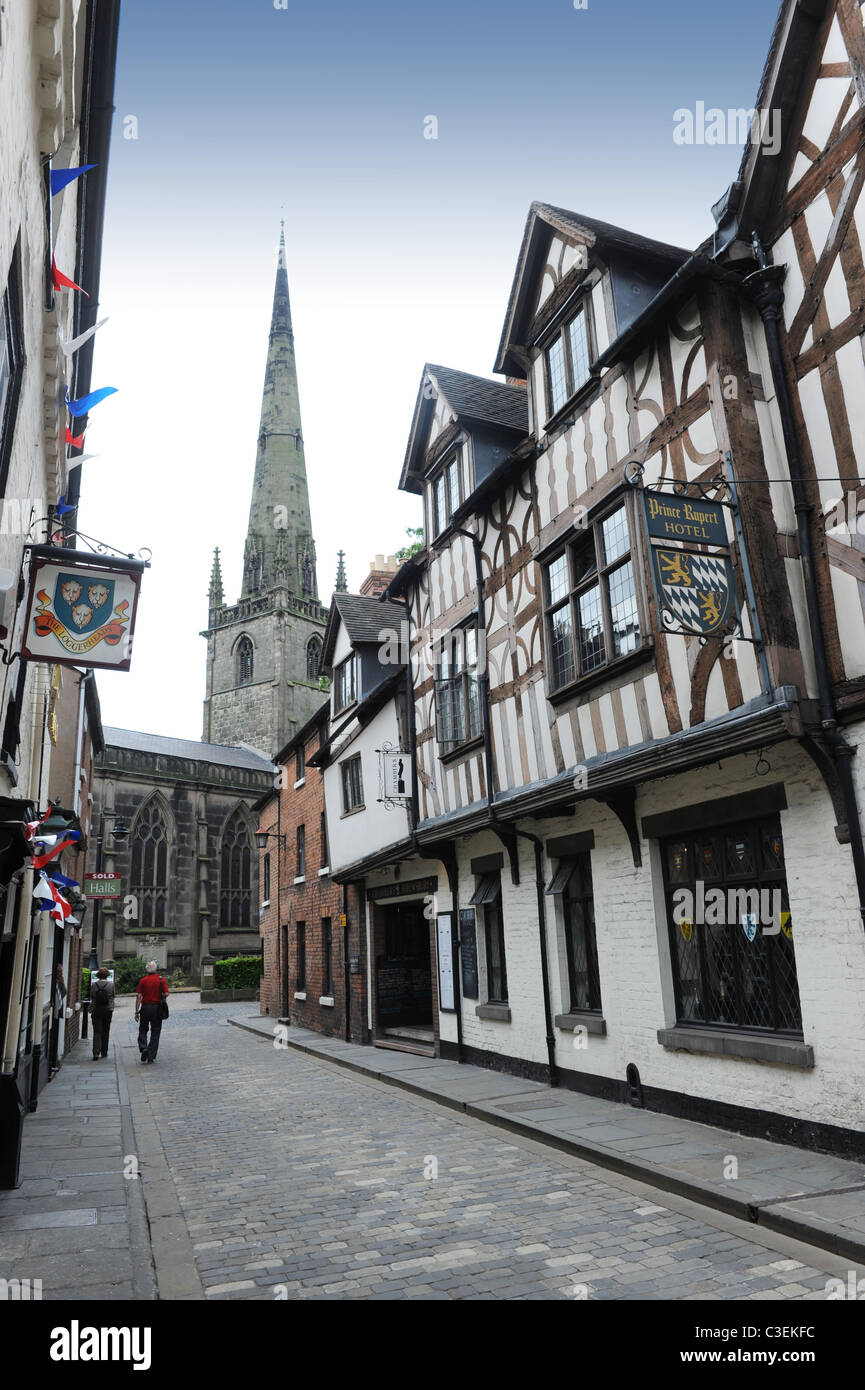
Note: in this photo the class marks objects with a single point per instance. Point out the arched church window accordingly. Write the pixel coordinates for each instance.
(149, 882)
(245, 661)
(235, 901)
(313, 657)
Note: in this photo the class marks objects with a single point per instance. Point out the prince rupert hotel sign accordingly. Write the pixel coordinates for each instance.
(671, 518)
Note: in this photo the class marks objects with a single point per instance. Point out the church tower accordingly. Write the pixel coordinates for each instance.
(263, 651)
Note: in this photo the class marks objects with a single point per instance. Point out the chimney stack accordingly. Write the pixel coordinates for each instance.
(381, 571)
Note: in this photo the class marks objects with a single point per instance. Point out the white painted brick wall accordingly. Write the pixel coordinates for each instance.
(828, 936)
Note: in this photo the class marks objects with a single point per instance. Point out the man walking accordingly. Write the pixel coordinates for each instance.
(152, 990)
(101, 1009)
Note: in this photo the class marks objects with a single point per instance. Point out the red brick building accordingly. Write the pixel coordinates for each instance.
(312, 929)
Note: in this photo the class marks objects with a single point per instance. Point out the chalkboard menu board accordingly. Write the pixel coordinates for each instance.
(468, 953)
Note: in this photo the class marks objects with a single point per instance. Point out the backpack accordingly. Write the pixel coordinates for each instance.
(100, 998)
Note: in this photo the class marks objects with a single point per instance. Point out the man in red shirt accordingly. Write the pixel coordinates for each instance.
(152, 989)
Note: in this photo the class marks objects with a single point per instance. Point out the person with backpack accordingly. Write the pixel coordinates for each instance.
(150, 1009)
(101, 1009)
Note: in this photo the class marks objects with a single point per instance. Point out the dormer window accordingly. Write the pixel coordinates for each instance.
(445, 494)
(567, 358)
(345, 684)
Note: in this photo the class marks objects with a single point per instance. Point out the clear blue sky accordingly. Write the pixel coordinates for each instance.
(400, 249)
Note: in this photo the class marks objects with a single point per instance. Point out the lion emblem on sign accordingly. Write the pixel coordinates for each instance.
(97, 594)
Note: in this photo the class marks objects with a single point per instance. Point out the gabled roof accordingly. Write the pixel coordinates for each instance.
(542, 223)
(364, 618)
(792, 65)
(473, 399)
(223, 754)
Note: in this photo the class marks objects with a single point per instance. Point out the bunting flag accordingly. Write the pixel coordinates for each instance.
(60, 177)
(62, 282)
(51, 900)
(63, 507)
(74, 463)
(30, 827)
(64, 882)
(75, 343)
(40, 860)
(76, 440)
(84, 403)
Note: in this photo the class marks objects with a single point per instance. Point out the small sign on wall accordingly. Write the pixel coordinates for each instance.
(395, 775)
(469, 953)
(446, 962)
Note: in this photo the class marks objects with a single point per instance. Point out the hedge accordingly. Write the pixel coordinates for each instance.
(237, 972)
(128, 970)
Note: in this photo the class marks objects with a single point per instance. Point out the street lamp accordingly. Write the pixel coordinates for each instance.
(262, 837)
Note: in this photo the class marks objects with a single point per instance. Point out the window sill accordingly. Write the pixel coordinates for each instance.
(353, 812)
(301, 782)
(326, 1000)
(573, 403)
(300, 995)
(593, 1023)
(470, 746)
(301, 878)
(499, 1013)
(324, 871)
(265, 904)
(609, 671)
(786, 1052)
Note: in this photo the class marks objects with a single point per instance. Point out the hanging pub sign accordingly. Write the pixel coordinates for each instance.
(695, 589)
(684, 519)
(81, 608)
(696, 593)
(395, 774)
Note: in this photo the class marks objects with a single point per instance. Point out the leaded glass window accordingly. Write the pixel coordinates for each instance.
(149, 878)
(731, 931)
(590, 596)
(235, 896)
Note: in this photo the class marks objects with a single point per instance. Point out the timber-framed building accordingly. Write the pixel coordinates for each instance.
(580, 769)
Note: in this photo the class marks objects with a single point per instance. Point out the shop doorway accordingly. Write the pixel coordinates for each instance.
(403, 977)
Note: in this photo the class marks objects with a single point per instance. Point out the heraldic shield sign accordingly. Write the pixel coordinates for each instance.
(81, 609)
(696, 592)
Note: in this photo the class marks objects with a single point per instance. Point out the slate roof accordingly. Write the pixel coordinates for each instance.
(225, 754)
(479, 399)
(365, 617)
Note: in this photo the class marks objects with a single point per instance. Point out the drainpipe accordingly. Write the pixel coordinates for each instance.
(545, 967)
(495, 823)
(345, 975)
(450, 864)
(79, 744)
(767, 287)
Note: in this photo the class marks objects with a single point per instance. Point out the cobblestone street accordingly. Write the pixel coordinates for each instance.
(297, 1180)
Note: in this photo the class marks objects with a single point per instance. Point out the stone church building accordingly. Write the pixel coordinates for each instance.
(189, 869)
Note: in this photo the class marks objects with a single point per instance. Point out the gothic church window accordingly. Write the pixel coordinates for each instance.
(245, 661)
(235, 899)
(313, 657)
(150, 867)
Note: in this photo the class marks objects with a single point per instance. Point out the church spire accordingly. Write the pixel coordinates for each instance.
(341, 581)
(279, 551)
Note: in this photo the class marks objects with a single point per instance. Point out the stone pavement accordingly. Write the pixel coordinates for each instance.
(813, 1197)
(76, 1222)
(268, 1173)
